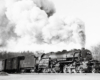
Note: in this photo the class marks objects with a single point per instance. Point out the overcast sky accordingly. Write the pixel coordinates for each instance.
(86, 10)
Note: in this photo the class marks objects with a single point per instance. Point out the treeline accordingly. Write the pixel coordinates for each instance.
(96, 52)
(5, 54)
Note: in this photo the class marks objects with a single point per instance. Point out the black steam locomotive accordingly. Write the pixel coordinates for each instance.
(74, 61)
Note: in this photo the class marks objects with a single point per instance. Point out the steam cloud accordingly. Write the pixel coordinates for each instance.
(32, 25)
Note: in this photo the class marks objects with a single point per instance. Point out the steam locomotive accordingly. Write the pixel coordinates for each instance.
(74, 61)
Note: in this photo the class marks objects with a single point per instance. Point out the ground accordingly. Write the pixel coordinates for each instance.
(33, 76)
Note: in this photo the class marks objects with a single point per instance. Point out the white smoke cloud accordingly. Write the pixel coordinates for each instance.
(45, 5)
(59, 32)
(36, 28)
(27, 17)
(6, 30)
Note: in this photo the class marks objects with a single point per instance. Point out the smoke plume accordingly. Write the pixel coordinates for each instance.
(6, 30)
(32, 25)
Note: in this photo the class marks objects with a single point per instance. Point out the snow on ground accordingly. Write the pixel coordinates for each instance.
(51, 77)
